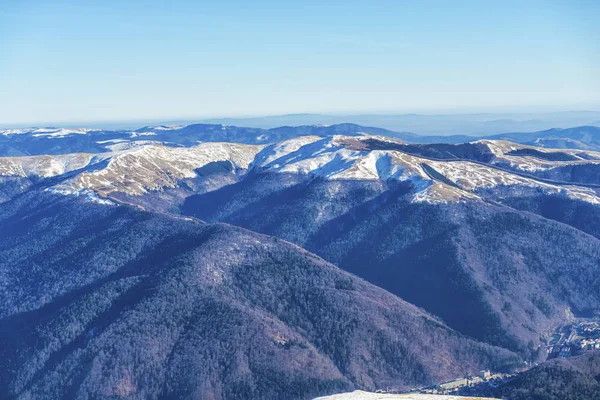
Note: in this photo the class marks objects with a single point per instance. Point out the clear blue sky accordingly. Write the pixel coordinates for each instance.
(125, 60)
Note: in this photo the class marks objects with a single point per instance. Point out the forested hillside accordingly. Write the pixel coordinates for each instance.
(110, 301)
(489, 271)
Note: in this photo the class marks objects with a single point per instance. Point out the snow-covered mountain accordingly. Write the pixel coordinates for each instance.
(448, 174)
(45, 166)
(156, 167)
(47, 132)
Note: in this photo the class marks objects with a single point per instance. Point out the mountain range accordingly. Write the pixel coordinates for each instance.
(38, 141)
(174, 262)
(474, 124)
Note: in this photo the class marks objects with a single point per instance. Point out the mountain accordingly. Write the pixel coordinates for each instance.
(439, 172)
(432, 232)
(18, 174)
(132, 171)
(514, 274)
(105, 300)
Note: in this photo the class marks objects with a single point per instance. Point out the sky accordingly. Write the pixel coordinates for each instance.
(74, 61)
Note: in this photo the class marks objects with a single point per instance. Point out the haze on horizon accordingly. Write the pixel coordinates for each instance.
(147, 60)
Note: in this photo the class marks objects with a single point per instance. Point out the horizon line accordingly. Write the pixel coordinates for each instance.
(192, 120)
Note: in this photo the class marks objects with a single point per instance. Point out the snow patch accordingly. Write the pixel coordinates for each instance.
(138, 134)
(88, 195)
(361, 395)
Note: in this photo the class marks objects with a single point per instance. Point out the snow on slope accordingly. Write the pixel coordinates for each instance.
(275, 151)
(348, 158)
(336, 157)
(88, 194)
(361, 395)
(47, 132)
(154, 167)
(501, 148)
(149, 166)
(472, 176)
(118, 145)
(44, 166)
(149, 128)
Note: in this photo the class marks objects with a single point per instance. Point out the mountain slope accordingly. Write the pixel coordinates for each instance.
(488, 271)
(171, 173)
(422, 221)
(439, 173)
(110, 301)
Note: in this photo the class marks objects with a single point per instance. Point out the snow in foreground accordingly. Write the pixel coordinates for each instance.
(360, 395)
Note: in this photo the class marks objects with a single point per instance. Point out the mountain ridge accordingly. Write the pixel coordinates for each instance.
(37, 141)
(438, 172)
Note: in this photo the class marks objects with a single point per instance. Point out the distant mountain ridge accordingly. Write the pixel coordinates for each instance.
(474, 124)
(38, 141)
